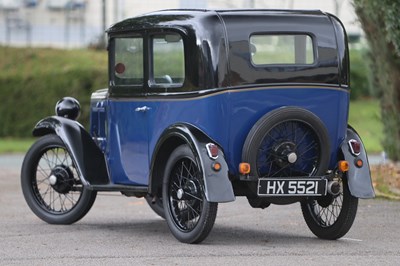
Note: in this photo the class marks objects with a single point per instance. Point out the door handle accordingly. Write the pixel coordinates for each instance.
(142, 109)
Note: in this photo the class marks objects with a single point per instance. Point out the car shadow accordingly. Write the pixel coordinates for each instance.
(220, 235)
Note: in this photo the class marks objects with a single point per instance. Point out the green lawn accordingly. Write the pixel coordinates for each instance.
(11, 145)
(364, 117)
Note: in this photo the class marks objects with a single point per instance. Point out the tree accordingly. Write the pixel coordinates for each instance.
(381, 24)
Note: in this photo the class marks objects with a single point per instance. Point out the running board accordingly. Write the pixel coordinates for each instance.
(113, 187)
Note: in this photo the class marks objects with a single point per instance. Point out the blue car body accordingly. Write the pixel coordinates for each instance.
(226, 118)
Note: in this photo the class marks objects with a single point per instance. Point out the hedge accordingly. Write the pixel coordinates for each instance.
(33, 80)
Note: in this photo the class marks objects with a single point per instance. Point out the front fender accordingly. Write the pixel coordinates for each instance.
(88, 158)
(359, 179)
(218, 187)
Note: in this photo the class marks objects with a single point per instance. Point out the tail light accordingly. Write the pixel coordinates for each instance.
(355, 147)
(212, 150)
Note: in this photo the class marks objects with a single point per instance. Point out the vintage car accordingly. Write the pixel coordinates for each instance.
(203, 106)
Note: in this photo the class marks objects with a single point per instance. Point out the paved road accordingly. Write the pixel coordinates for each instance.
(124, 231)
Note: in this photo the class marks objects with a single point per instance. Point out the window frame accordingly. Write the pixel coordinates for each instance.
(149, 87)
(155, 87)
(288, 65)
(126, 89)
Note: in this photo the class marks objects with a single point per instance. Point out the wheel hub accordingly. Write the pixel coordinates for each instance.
(179, 193)
(292, 157)
(285, 152)
(61, 179)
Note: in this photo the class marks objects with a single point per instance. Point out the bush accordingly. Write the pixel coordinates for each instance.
(33, 80)
(360, 75)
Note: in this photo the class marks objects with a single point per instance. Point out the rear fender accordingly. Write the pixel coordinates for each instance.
(218, 187)
(87, 157)
(359, 178)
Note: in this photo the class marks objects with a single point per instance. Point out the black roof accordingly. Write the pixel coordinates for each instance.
(221, 39)
(167, 15)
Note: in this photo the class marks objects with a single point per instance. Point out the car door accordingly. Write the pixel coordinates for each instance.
(127, 151)
(143, 70)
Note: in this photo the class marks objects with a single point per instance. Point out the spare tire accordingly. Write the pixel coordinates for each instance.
(287, 142)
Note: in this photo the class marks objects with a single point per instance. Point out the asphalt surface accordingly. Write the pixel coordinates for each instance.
(124, 231)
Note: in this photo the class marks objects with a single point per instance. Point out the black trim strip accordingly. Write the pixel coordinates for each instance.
(141, 189)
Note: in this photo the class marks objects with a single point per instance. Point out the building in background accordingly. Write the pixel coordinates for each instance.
(79, 23)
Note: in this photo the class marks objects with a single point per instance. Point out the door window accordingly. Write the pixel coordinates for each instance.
(128, 61)
(168, 60)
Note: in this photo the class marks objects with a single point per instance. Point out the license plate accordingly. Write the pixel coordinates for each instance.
(292, 187)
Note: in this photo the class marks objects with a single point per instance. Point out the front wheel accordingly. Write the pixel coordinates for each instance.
(331, 217)
(51, 185)
(189, 215)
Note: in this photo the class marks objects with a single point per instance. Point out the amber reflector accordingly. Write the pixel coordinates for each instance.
(244, 168)
(216, 166)
(343, 166)
(359, 163)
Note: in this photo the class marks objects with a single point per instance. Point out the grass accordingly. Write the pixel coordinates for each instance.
(12, 145)
(365, 118)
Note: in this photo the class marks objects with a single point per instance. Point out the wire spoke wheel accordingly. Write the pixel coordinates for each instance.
(51, 184)
(189, 215)
(286, 142)
(290, 148)
(186, 195)
(56, 184)
(331, 217)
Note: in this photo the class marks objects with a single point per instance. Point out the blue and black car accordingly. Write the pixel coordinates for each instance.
(203, 106)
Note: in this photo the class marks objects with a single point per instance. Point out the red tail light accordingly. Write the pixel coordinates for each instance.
(212, 150)
(355, 147)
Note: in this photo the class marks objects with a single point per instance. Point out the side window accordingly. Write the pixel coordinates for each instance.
(282, 50)
(168, 60)
(128, 67)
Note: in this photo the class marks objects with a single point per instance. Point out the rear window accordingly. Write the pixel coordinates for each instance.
(282, 49)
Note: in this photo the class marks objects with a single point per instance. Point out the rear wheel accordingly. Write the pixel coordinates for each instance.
(331, 217)
(189, 215)
(51, 185)
(156, 206)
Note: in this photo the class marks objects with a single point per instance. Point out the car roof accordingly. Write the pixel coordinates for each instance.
(167, 16)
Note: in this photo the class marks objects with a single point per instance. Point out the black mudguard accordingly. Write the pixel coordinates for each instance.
(218, 187)
(88, 158)
(359, 179)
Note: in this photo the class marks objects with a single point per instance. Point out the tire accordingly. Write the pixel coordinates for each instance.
(285, 131)
(279, 134)
(51, 185)
(189, 215)
(157, 206)
(331, 217)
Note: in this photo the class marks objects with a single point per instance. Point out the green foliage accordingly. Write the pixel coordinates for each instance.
(366, 119)
(11, 145)
(360, 81)
(33, 80)
(381, 25)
